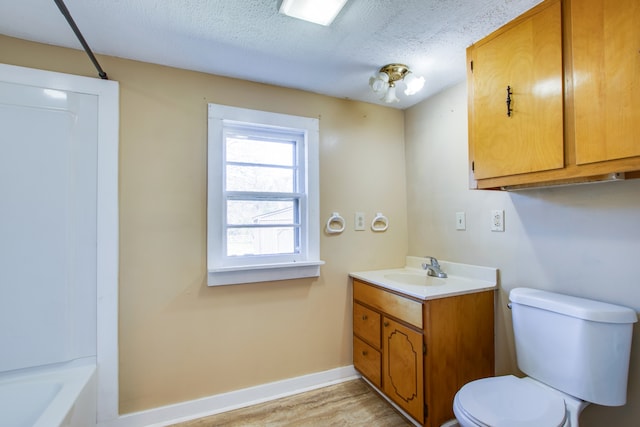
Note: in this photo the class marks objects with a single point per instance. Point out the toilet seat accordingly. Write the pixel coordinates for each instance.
(509, 401)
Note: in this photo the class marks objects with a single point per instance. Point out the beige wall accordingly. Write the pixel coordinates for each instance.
(582, 240)
(180, 339)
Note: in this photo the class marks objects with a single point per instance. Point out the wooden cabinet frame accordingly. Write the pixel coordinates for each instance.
(419, 353)
(606, 169)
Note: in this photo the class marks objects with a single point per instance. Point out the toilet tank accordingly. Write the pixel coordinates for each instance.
(575, 345)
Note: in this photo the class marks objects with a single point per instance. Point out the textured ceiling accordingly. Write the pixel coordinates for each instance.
(250, 40)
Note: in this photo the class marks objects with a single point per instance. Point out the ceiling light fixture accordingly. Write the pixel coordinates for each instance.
(384, 82)
(321, 12)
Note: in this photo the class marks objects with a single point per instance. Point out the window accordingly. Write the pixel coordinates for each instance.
(262, 210)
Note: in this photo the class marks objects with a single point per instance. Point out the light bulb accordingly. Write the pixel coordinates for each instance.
(390, 96)
(378, 86)
(414, 84)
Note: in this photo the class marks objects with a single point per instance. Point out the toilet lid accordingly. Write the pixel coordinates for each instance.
(511, 402)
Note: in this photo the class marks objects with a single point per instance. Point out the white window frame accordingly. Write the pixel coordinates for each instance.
(223, 270)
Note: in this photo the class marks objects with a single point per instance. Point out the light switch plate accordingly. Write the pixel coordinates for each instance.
(461, 221)
(359, 221)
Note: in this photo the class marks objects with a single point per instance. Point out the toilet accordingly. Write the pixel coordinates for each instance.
(574, 352)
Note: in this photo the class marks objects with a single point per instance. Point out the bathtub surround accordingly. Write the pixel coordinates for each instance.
(58, 280)
(48, 246)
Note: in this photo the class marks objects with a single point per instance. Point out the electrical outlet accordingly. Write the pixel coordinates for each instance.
(359, 221)
(497, 220)
(461, 221)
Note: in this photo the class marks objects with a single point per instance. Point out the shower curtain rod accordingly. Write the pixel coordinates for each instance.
(84, 44)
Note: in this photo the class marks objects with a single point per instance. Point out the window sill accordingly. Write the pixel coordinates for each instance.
(263, 273)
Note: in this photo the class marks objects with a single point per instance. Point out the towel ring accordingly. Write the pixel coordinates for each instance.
(380, 222)
(335, 224)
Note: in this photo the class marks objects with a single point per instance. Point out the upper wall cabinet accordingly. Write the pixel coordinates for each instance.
(606, 79)
(516, 103)
(554, 96)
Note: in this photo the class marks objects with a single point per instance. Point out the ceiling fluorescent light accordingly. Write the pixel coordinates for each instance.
(321, 12)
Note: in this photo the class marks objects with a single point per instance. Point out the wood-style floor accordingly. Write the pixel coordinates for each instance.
(351, 403)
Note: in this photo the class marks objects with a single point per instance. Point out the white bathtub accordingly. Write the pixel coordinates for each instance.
(62, 395)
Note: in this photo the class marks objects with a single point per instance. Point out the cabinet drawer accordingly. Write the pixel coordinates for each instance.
(366, 324)
(402, 308)
(367, 360)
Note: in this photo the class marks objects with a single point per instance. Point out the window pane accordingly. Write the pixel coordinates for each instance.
(279, 153)
(259, 178)
(244, 212)
(261, 241)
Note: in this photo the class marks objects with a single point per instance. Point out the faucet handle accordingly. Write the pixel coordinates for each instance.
(434, 261)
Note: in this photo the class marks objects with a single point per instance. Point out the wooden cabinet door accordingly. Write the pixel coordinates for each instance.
(403, 367)
(525, 57)
(605, 38)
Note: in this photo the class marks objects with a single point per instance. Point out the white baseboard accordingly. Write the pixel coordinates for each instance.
(185, 411)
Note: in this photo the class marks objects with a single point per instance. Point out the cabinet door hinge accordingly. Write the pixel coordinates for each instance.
(473, 166)
(424, 349)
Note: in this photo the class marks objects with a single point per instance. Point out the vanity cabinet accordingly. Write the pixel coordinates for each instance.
(418, 352)
(571, 112)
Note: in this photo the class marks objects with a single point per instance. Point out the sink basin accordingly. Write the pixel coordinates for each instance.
(412, 280)
(420, 279)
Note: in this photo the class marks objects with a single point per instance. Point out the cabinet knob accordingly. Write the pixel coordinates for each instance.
(365, 352)
(385, 323)
(364, 317)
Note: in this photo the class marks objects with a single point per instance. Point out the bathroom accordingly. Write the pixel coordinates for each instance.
(580, 239)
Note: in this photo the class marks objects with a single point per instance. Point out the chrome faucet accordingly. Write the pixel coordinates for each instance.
(433, 268)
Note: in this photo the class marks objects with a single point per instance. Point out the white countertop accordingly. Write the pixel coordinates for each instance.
(461, 279)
